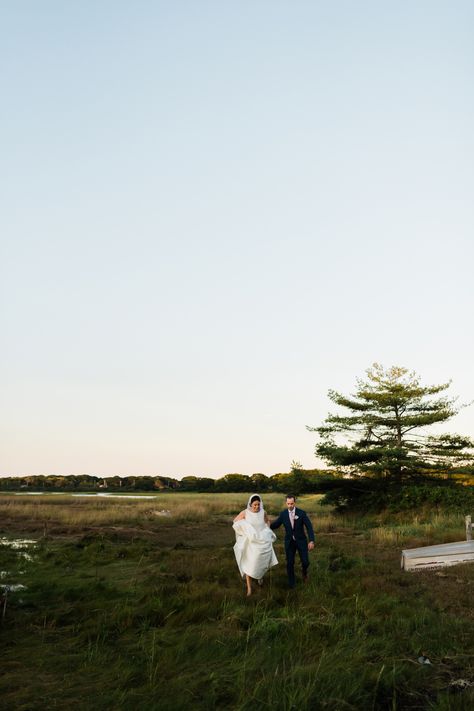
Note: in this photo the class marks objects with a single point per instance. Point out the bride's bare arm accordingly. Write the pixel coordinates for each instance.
(240, 516)
(266, 519)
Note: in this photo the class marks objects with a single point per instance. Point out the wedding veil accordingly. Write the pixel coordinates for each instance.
(251, 516)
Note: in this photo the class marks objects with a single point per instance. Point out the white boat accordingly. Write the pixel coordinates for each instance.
(438, 556)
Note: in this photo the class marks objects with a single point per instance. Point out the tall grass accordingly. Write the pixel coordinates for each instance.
(76, 511)
(419, 529)
(161, 621)
(170, 508)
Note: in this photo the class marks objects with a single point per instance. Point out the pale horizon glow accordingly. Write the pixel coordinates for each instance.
(212, 213)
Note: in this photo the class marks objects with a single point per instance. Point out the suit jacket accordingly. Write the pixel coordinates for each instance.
(301, 522)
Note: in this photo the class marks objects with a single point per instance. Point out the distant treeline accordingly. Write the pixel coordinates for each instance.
(297, 481)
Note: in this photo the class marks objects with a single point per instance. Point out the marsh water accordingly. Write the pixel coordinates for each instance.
(92, 495)
(9, 578)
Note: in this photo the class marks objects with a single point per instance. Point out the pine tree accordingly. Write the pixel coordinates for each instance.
(383, 434)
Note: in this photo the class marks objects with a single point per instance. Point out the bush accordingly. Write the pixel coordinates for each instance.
(372, 495)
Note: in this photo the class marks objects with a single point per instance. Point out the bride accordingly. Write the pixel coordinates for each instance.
(253, 542)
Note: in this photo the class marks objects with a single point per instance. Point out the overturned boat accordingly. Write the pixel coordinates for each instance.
(438, 556)
(442, 555)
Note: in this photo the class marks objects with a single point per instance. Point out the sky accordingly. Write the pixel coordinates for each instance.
(213, 212)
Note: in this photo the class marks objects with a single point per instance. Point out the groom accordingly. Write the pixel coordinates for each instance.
(295, 521)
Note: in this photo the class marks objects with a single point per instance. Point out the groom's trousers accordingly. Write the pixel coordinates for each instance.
(291, 548)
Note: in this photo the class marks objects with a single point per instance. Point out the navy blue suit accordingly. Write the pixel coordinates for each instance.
(295, 540)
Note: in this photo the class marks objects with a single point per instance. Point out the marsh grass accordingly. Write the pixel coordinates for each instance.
(89, 511)
(125, 609)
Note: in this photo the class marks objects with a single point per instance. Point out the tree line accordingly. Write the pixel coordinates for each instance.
(297, 480)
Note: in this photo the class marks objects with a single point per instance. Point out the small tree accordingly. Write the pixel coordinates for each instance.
(260, 482)
(299, 482)
(189, 483)
(383, 435)
(233, 483)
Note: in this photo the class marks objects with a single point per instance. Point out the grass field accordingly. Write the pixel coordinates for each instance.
(137, 604)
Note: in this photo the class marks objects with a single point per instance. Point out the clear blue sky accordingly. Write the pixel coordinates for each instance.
(213, 212)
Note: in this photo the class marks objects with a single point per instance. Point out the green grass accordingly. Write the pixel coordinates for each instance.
(128, 610)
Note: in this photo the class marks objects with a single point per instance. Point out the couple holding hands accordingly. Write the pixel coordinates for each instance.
(254, 540)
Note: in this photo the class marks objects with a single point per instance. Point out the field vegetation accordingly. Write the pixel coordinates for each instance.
(137, 604)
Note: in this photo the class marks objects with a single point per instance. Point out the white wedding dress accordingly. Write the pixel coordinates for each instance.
(254, 544)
